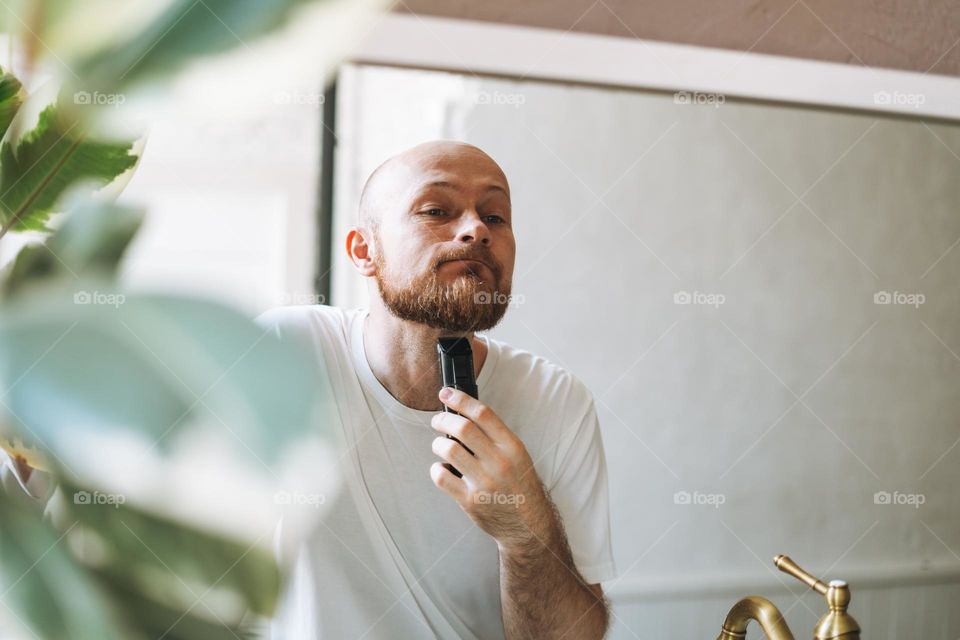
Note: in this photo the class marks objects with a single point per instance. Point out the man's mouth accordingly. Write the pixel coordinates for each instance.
(470, 262)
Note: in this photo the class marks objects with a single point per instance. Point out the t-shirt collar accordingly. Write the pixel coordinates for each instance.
(393, 406)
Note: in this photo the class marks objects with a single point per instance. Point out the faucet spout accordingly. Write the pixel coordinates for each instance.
(837, 624)
(757, 608)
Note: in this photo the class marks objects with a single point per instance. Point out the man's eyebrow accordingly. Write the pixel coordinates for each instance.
(442, 184)
(496, 187)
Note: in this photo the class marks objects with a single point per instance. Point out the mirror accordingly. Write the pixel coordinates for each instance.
(762, 299)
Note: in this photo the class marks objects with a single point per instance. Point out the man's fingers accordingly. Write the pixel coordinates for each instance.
(453, 452)
(463, 429)
(447, 482)
(476, 411)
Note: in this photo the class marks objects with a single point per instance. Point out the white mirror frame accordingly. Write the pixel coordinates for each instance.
(471, 47)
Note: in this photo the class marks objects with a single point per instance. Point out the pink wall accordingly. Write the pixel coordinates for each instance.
(918, 35)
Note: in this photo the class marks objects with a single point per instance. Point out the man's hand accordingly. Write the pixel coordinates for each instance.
(500, 489)
(542, 593)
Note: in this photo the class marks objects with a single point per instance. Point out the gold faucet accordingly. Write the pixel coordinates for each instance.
(837, 624)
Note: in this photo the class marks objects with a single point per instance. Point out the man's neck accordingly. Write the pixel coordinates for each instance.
(403, 357)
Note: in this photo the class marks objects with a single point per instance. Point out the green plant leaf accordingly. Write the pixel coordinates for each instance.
(11, 97)
(124, 391)
(159, 621)
(44, 585)
(179, 568)
(93, 238)
(151, 363)
(184, 30)
(36, 170)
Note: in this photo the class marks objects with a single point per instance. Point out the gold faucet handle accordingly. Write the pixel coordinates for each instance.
(785, 564)
(837, 623)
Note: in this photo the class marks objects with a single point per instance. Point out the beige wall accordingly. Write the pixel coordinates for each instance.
(900, 34)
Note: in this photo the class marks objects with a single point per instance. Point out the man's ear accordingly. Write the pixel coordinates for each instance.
(360, 251)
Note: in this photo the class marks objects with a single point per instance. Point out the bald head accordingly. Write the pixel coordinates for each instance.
(435, 237)
(397, 177)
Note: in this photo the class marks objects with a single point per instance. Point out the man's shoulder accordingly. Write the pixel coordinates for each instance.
(531, 372)
(305, 313)
(306, 320)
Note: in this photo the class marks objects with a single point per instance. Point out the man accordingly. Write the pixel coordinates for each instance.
(517, 546)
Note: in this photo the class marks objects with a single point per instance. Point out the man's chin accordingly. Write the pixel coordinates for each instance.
(461, 320)
(467, 303)
(455, 319)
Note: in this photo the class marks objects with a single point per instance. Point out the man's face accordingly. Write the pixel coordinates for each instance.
(444, 251)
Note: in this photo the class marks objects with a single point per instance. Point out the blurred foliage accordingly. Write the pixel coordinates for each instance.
(92, 240)
(124, 366)
(107, 376)
(55, 597)
(181, 31)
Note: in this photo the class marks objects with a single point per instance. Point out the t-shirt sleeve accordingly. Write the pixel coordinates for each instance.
(290, 325)
(274, 322)
(579, 488)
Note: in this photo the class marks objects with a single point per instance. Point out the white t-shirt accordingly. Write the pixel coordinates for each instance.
(394, 556)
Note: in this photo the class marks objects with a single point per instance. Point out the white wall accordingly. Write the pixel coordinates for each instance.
(230, 198)
(796, 399)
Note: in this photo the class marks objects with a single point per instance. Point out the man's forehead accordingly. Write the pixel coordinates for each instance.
(452, 166)
(428, 168)
(460, 181)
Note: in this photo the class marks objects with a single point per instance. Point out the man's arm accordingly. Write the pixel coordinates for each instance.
(542, 593)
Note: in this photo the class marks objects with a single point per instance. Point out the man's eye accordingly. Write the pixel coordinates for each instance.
(435, 212)
(494, 218)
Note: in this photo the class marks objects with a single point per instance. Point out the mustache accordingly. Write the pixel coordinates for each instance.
(481, 254)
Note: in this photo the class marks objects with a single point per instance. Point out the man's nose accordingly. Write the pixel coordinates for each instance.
(471, 228)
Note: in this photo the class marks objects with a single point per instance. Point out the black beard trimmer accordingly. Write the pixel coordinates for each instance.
(456, 370)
